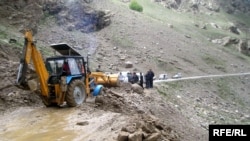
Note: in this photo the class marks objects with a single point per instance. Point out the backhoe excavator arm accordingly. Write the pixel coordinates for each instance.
(30, 52)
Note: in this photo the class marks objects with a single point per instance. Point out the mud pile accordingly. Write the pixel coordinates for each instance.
(115, 99)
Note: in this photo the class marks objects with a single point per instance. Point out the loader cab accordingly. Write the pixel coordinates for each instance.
(69, 66)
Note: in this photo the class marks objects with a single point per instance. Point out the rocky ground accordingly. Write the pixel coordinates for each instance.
(171, 111)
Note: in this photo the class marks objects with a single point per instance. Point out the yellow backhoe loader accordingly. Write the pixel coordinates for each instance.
(64, 78)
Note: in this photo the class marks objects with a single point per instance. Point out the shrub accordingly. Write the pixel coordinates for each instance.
(135, 6)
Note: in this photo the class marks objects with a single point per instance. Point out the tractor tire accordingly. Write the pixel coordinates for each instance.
(76, 94)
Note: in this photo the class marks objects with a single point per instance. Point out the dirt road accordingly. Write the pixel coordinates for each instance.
(200, 77)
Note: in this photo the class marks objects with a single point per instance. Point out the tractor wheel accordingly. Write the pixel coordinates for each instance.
(76, 94)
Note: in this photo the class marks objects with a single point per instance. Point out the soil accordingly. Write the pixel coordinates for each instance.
(176, 110)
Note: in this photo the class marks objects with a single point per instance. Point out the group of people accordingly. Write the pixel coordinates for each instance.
(139, 79)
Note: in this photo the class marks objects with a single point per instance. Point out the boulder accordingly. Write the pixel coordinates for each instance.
(227, 41)
(243, 47)
(234, 29)
(128, 64)
(123, 136)
(137, 89)
(153, 137)
(136, 136)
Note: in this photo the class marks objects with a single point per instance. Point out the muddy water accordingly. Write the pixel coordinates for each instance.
(40, 124)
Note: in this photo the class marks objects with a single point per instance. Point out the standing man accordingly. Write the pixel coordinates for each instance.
(135, 78)
(121, 77)
(151, 78)
(147, 79)
(141, 80)
(129, 76)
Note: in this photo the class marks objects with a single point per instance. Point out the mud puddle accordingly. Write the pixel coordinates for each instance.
(42, 123)
(59, 124)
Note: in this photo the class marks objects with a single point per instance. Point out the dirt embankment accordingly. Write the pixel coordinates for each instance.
(10, 96)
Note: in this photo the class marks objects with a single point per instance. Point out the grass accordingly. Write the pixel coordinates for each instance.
(164, 65)
(210, 60)
(3, 35)
(161, 91)
(4, 38)
(214, 62)
(226, 92)
(233, 51)
(169, 87)
(174, 85)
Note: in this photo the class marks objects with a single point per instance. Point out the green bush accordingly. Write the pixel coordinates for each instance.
(135, 6)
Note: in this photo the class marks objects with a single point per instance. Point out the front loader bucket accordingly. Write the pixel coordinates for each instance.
(108, 80)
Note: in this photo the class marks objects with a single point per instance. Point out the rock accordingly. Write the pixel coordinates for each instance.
(130, 129)
(170, 26)
(12, 40)
(122, 58)
(214, 25)
(229, 41)
(148, 127)
(153, 137)
(128, 64)
(234, 29)
(204, 27)
(137, 88)
(82, 123)
(187, 36)
(70, 27)
(137, 136)
(33, 84)
(123, 136)
(243, 47)
(217, 41)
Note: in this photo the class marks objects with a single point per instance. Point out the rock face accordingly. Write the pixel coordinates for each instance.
(23, 14)
(76, 15)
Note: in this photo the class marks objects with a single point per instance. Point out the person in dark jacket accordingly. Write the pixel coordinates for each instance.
(135, 78)
(151, 78)
(65, 67)
(147, 79)
(141, 80)
(129, 75)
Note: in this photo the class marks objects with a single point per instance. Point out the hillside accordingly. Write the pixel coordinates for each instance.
(209, 37)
